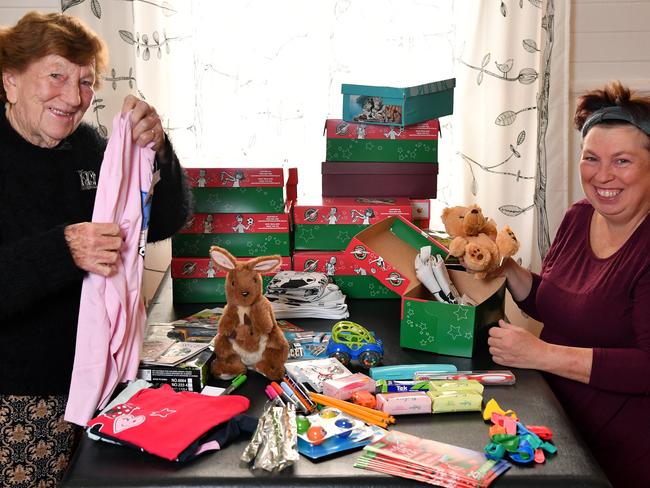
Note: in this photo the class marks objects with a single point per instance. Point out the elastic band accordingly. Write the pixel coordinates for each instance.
(614, 113)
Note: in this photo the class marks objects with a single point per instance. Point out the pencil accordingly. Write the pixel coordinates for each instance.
(366, 414)
(343, 403)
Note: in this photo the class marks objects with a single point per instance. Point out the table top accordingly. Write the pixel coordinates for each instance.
(102, 464)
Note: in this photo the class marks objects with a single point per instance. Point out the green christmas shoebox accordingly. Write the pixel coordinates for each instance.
(330, 223)
(354, 280)
(196, 280)
(347, 141)
(237, 190)
(398, 106)
(243, 234)
(426, 324)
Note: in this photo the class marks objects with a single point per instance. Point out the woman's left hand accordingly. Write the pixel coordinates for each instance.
(511, 345)
(146, 124)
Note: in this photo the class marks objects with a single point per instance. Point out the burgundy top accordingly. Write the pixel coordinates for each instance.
(604, 304)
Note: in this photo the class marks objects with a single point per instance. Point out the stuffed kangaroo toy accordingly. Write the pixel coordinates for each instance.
(248, 336)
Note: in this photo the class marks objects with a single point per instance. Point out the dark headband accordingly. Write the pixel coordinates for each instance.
(614, 113)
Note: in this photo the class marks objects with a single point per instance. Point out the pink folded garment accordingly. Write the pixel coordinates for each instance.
(111, 312)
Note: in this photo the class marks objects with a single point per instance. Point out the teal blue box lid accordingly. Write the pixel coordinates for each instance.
(397, 106)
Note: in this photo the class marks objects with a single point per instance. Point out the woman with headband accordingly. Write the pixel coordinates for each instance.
(593, 293)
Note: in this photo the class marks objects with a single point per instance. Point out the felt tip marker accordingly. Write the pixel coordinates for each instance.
(273, 396)
(236, 383)
(301, 388)
(292, 396)
(282, 394)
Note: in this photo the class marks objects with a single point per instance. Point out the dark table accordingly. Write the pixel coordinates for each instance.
(102, 464)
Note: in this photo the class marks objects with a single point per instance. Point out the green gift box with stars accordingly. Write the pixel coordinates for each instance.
(426, 324)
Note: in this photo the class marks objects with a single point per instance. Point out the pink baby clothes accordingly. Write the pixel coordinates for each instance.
(111, 312)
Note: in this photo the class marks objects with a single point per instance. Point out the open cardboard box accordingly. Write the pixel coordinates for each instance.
(388, 249)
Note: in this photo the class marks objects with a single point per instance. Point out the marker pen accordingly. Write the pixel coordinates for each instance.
(287, 399)
(289, 392)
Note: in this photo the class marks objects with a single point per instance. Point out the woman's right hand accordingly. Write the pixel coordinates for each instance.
(95, 247)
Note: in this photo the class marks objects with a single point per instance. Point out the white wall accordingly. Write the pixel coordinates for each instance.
(609, 40)
(12, 10)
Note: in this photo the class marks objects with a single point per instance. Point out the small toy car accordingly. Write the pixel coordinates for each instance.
(352, 342)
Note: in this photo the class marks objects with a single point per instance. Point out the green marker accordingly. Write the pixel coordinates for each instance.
(236, 383)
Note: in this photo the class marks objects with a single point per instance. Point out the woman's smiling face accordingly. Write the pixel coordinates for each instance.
(49, 99)
(615, 171)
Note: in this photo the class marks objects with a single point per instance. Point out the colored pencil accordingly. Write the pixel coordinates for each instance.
(368, 415)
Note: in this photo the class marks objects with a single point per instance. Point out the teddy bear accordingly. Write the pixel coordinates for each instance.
(248, 335)
(468, 221)
(476, 240)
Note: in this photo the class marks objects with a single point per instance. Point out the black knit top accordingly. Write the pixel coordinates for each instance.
(41, 191)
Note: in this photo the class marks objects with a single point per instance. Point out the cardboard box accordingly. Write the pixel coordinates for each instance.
(343, 179)
(191, 375)
(330, 223)
(244, 234)
(426, 324)
(348, 141)
(398, 106)
(353, 280)
(237, 190)
(195, 280)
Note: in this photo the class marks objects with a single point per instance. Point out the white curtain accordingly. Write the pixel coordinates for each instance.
(143, 43)
(512, 120)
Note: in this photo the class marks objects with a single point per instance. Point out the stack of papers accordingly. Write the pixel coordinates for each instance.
(175, 353)
(429, 461)
(306, 294)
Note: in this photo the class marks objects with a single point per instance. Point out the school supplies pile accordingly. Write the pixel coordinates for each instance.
(305, 294)
(429, 461)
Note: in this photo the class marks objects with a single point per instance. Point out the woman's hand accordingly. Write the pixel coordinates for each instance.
(95, 247)
(511, 345)
(146, 124)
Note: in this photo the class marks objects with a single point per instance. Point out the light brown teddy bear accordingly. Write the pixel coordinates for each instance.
(476, 240)
(248, 335)
(468, 221)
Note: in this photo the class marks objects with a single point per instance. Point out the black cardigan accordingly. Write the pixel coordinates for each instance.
(41, 191)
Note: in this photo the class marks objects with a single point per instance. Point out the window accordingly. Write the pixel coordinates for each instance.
(265, 75)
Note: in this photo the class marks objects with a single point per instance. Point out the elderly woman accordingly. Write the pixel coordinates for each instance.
(49, 166)
(593, 294)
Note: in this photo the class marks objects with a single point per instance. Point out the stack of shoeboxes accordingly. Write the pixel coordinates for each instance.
(240, 209)
(381, 161)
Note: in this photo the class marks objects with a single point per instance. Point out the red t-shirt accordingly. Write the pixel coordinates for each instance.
(163, 422)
